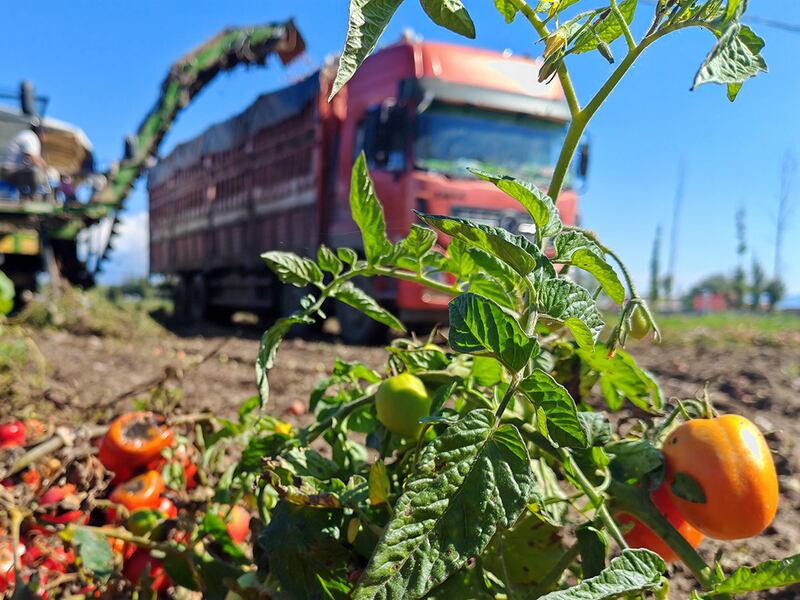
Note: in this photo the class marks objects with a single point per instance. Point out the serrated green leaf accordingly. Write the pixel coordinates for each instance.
(554, 513)
(633, 459)
(597, 427)
(603, 272)
(526, 552)
(764, 576)
(367, 20)
(506, 8)
(354, 296)
(328, 261)
(621, 378)
(479, 326)
(451, 15)
(367, 212)
(553, 398)
(469, 481)
(567, 242)
(582, 334)
(593, 546)
(735, 58)
(301, 544)
(633, 571)
(268, 349)
(562, 299)
(348, 255)
(608, 30)
(514, 250)
(539, 205)
(417, 244)
(94, 551)
(292, 269)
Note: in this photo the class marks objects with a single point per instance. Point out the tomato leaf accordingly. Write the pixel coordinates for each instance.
(526, 552)
(378, 483)
(602, 271)
(686, 487)
(631, 572)
(94, 551)
(622, 379)
(562, 299)
(300, 544)
(506, 8)
(367, 20)
(328, 261)
(479, 326)
(563, 424)
(514, 250)
(469, 481)
(354, 296)
(735, 58)
(767, 575)
(539, 205)
(607, 30)
(593, 546)
(292, 269)
(367, 212)
(633, 459)
(214, 526)
(268, 349)
(451, 15)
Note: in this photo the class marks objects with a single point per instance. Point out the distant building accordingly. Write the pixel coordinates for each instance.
(706, 302)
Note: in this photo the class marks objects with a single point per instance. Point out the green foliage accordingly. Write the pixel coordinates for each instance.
(6, 294)
(767, 575)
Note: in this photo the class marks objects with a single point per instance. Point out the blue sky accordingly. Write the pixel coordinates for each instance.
(101, 63)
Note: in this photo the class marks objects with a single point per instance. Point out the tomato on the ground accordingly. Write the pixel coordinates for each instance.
(641, 536)
(143, 491)
(141, 566)
(401, 401)
(12, 434)
(729, 459)
(237, 523)
(133, 440)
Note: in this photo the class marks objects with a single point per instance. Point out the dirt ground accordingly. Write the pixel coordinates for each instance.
(94, 377)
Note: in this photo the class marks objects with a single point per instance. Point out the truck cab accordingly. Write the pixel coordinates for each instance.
(423, 113)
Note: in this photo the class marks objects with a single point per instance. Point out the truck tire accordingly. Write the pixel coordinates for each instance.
(357, 328)
(180, 299)
(198, 298)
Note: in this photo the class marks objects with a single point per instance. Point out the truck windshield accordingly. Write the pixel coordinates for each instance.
(450, 138)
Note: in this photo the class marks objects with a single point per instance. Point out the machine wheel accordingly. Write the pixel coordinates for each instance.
(357, 328)
(198, 298)
(180, 299)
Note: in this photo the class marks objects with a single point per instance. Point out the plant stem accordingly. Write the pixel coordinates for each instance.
(626, 30)
(563, 74)
(636, 502)
(309, 434)
(597, 501)
(512, 387)
(553, 575)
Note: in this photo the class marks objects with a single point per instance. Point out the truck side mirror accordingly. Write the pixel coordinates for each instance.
(583, 160)
(27, 97)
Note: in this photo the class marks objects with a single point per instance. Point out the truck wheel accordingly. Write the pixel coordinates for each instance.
(357, 328)
(180, 300)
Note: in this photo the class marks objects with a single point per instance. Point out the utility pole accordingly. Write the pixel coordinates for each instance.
(655, 275)
(784, 208)
(673, 237)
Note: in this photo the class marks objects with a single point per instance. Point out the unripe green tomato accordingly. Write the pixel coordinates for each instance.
(402, 401)
(143, 520)
(640, 327)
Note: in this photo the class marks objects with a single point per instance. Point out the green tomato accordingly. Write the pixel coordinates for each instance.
(402, 401)
(143, 520)
(640, 326)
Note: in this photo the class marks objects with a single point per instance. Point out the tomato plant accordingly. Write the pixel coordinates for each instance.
(487, 467)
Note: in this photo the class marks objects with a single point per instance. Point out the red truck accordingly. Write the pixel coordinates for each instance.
(277, 175)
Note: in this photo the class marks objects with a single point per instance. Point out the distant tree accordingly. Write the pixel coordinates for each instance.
(775, 291)
(758, 280)
(739, 276)
(655, 267)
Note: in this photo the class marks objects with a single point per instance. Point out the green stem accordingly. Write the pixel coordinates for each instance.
(597, 501)
(311, 433)
(636, 502)
(563, 73)
(626, 30)
(450, 290)
(554, 575)
(512, 387)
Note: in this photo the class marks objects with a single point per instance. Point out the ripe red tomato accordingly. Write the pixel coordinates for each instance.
(12, 434)
(141, 566)
(56, 515)
(729, 459)
(133, 440)
(238, 523)
(168, 507)
(641, 536)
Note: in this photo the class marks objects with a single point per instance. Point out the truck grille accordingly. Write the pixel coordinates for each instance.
(511, 220)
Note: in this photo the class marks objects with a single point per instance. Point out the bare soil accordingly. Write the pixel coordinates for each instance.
(92, 378)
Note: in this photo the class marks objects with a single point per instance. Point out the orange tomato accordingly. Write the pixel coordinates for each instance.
(729, 459)
(133, 440)
(143, 491)
(641, 536)
(238, 523)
